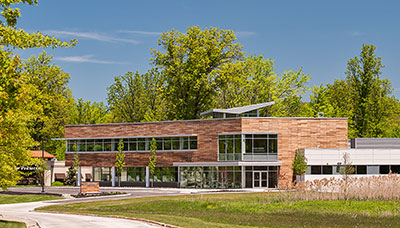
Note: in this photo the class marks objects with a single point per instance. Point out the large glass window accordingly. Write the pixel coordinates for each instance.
(262, 143)
(133, 144)
(211, 177)
(230, 147)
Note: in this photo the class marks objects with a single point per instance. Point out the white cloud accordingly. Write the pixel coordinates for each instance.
(91, 36)
(244, 33)
(145, 33)
(86, 59)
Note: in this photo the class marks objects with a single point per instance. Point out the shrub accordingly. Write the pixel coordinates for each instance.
(57, 183)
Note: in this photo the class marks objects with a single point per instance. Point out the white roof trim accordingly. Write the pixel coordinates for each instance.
(239, 110)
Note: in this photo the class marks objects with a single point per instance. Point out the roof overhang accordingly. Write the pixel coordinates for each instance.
(227, 163)
(238, 110)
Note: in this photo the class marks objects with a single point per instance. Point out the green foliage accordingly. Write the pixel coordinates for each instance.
(254, 80)
(120, 160)
(87, 112)
(16, 101)
(190, 67)
(346, 168)
(48, 88)
(369, 93)
(136, 97)
(299, 164)
(71, 177)
(11, 36)
(153, 157)
(57, 184)
(363, 97)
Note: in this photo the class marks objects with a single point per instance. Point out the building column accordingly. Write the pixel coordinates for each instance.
(243, 176)
(179, 176)
(113, 176)
(78, 179)
(147, 177)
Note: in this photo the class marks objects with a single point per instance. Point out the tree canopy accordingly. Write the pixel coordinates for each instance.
(363, 97)
(16, 100)
(190, 66)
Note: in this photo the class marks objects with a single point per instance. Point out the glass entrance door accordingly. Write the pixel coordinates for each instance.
(260, 179)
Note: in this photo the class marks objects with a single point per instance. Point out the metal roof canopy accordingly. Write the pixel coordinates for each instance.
(238, 110)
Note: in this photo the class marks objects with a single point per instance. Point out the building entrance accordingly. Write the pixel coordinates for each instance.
(265, 179)
(260, 179)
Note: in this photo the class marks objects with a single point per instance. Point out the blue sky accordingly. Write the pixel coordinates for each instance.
(116, 36)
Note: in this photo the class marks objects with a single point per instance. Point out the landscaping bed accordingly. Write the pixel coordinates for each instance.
(84, 195)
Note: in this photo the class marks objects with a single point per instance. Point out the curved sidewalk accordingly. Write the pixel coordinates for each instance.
(24, 212)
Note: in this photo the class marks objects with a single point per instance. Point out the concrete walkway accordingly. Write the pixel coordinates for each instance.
(23, 212)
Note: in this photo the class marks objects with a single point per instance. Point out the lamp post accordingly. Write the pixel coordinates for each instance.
(43, 166)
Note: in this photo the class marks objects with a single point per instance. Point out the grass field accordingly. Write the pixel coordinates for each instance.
(245, 210)
(9, 224)
(4, 199)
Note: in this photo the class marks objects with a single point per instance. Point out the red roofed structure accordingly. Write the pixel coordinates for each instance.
(38, 154)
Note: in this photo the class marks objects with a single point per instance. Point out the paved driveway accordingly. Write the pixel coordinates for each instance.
(50, 220)
(25, 211)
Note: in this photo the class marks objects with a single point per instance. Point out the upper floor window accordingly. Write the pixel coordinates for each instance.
(230, 147)
(252, 147)
(133, 144)
(261, 143)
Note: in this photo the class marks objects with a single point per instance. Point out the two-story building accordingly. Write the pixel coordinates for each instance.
(236, 148)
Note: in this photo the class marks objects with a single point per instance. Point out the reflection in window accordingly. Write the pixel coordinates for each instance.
(134, 144)
(230, 147)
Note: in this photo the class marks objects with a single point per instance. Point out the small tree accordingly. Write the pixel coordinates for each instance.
(120, 161)
(71, 177)
(41, 166)
(299, 163)
(152, 159)
(346, 169)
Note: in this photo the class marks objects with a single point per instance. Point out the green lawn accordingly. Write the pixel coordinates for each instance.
(245, 210)
(4, 199)
(8, 224)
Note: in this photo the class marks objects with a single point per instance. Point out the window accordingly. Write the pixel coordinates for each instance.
(315, 169)
(327, 169)
(133, 144)
(261, 143)
(193, 142)
(230, 147)
(361, 169)
(395, 168)
(384, 169)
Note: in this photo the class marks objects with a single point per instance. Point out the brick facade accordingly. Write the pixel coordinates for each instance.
(293, 133)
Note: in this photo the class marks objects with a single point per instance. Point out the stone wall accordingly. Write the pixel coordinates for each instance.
(89, 187)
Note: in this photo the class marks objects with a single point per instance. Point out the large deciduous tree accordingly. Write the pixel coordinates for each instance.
(254, 80)
(48, 87)
(190, 65)
(136, 97)
(363, 97)
(370, 94)
(87, 112)
(15, 100)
